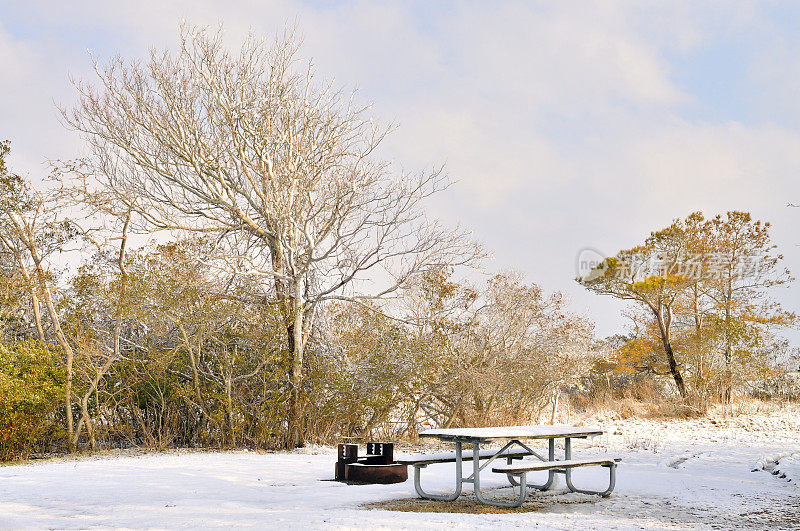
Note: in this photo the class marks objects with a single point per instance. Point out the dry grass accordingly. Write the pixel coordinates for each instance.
(744, 405)
(663, 408)
(467, 504)
(458, 506)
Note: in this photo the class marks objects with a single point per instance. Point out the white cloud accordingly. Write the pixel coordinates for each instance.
(562, 122)
(28, 84)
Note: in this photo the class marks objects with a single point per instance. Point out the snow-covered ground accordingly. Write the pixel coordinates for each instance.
(741, 472)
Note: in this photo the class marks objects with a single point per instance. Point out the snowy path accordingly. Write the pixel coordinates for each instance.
(674, 476)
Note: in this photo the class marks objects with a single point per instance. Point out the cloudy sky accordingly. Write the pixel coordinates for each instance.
(564, 124)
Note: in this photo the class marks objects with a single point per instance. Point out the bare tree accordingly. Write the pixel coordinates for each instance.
(281, 170)
(31, 234)
(538, 346)
(105, 223)
(497, 352)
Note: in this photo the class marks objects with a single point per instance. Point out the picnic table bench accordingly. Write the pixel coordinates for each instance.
(514, 449)
(423, 460)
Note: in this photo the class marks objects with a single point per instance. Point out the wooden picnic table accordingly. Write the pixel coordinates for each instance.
(513, 449)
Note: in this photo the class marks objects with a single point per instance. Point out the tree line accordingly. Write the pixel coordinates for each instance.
(270, 216)
(159, 346)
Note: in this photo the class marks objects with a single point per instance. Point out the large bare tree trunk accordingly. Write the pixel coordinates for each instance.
(37, 315)
(727, 392)
(37, 310)
(673, 369)
(228, 382)
(62, 341)
(698, 318)
(664, 324)
(296, 413)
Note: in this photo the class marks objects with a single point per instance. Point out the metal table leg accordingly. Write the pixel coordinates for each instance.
(551, 474)
(476, 482)
(442, 497)
(612, 474)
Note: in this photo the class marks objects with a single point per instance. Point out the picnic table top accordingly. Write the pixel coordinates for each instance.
(512, 432)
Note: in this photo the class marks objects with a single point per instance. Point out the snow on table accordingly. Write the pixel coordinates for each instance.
(513, 432)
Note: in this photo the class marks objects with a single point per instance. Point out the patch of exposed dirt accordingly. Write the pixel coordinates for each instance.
(468, 504)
